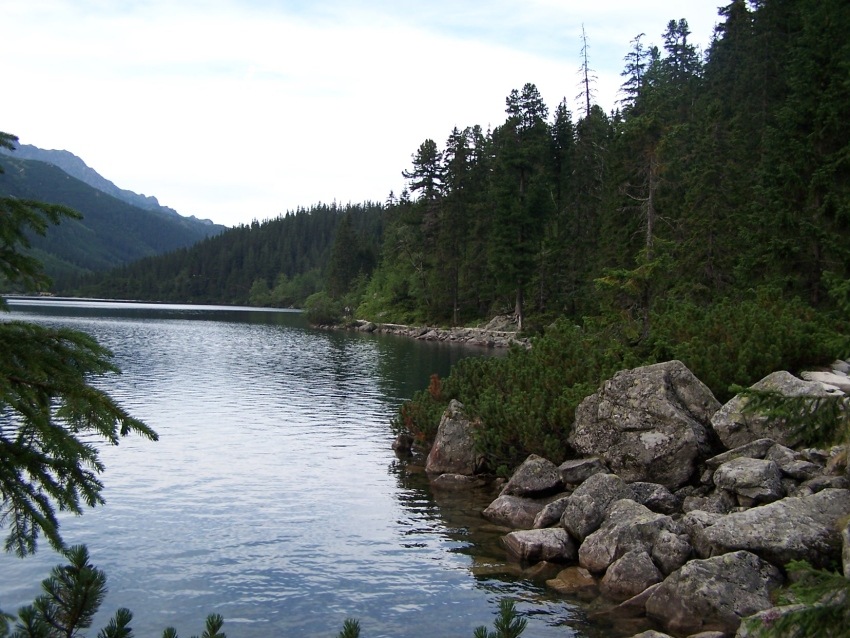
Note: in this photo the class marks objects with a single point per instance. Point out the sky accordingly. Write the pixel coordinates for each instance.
(236, 110)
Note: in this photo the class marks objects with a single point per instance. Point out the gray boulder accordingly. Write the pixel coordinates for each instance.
(648, 424)
(752, 626)
(793, 464)
(457, 482)
(536, 477)
(714, 594)
(627, 526)
(719, 502)
(736, 428)
(513, 511)
(586, 507)
(656, 497)
(794, 528)
(845, 553)
(757, 449)
(533, 545)
(629, 575)
(551, 514)
(453, 451)
(693, 523)
(577, 471)
(754, 481)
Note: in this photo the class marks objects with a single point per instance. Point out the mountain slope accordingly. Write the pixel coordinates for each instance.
(111, 233)
(76, 167)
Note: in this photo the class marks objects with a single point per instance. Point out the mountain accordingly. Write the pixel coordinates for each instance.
(112, 231)
(76, 167)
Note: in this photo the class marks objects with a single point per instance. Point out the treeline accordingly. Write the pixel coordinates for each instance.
(706, 220)
(717, 174)
(279, 262)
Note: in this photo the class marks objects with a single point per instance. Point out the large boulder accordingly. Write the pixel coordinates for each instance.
(534, 478)
(513, 511)
(648, 424)
(803, 528)
(714, 594)
(754, 481)
(629, 575)
(453, 451)
(656, 497)
(736, 428)
(630, 526)
(533, 545)
(586, 507)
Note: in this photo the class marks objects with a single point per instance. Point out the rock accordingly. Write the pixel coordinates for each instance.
(755, 481)
(714, 594)
(536, 477)
(845, 552)
(627, 526)
(648, 424)
(513, 511)
(403, 443)
(695, 522)
(820, 483)
(670, 551)
(753, 450)
(792, 464)
(736, 428)
(577, 471)
(534, 545)
(586, 507)
(635, 606)
(656, 497)
(719, 502)
(551, 514)
(791, 529)
(751, 625)
(651, 633)
(629, 575)
(453, 451)
(457, 482)
(575, 581)
(831, 379)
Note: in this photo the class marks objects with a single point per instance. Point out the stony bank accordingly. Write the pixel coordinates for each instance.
(677, 511)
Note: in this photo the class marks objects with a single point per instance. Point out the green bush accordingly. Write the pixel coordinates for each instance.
(321, 310)
(526, 401)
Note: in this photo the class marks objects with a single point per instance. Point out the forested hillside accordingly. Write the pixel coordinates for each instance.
(278, 262)
(719, 172)
(111, 231)
(716, 174)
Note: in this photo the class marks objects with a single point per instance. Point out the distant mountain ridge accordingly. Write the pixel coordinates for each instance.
(76, 167)
(111, 233)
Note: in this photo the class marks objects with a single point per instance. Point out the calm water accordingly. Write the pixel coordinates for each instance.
(273, 497)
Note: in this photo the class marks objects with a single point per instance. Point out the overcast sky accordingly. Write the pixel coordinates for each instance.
(236, 110)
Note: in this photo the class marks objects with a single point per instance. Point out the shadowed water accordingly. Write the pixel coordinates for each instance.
(273, 497)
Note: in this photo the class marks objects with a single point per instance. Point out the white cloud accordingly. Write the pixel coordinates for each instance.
(235, 110)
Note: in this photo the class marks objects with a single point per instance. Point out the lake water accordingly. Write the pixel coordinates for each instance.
(273, 497)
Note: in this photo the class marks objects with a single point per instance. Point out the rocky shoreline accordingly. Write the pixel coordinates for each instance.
(498, 333)
(677, 512)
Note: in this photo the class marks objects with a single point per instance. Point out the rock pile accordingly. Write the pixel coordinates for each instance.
(682, 510)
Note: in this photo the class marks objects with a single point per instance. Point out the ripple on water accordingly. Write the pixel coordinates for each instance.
(273, 497)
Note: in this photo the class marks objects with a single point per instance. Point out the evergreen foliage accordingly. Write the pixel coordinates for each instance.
(825, 610)
(507, 625)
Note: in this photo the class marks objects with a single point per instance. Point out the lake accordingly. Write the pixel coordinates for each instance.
(273, 496)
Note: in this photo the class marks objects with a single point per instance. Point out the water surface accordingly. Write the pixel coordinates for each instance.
(273, 497)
